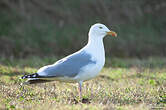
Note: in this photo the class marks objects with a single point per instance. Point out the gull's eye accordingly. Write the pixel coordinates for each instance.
(101, 27)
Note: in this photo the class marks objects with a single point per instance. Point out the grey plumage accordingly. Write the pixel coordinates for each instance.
(69, 66)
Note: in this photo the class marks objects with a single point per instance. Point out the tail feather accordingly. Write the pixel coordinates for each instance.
(35, 81)
(34, 78)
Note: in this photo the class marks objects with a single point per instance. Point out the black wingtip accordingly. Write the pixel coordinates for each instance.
(34, 75)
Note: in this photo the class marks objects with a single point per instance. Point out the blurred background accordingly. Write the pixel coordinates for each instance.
(60, 27)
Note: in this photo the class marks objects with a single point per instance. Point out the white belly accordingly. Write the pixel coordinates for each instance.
(90, 71)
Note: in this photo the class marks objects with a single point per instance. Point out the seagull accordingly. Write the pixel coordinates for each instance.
(78, 67)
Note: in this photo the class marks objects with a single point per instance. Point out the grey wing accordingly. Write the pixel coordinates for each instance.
(69, 66)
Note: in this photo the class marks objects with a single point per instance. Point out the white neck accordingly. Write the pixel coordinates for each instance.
(96, 48)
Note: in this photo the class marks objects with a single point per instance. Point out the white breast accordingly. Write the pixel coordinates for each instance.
(96, 50)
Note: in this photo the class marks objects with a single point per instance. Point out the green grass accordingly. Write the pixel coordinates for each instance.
(124, 84)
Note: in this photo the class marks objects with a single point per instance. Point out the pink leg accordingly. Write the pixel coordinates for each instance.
(80, 89)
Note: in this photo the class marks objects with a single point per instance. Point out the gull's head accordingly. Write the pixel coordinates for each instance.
(100, 30)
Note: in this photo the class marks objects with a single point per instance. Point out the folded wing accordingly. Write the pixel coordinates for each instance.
(67, 67)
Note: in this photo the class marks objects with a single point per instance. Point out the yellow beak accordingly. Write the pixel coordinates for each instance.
(114, 34)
